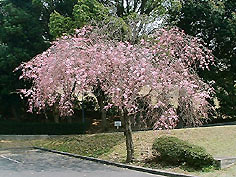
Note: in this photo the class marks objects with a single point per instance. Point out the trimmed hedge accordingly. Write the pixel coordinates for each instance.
(38, 128)
(176, 151)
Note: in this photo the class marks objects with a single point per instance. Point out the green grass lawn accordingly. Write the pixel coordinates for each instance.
(218, 141)
(93, 145)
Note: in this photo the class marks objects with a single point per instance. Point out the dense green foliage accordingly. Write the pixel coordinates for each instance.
(46, 7)
(20, 39)
(59, 25)
(215, 22)
(84, 12)
(87, 10)
(176, 151)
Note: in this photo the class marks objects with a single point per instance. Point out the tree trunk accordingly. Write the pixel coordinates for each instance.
(101, 100)
(56, 118)
(69, 120)
(138, 121)
(14, 113)
(180, 123)
(104, 120)
(129, 140)
(55, 114)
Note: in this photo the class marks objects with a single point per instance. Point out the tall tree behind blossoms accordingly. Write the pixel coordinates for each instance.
(215, 22)
(149, 72)
(20, 39)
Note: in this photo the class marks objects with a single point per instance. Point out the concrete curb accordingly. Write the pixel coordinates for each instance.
(131, 167)
(225, 162)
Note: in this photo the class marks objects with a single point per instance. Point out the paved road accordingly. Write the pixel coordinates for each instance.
(36, 163)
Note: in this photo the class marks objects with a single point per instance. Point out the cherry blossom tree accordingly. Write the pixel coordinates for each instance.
(158, 72)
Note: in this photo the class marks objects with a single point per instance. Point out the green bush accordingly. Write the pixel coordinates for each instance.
(176, 151)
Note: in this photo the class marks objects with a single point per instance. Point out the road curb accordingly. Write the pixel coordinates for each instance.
(131, 167)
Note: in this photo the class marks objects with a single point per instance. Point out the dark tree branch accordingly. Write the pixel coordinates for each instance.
(142, 7)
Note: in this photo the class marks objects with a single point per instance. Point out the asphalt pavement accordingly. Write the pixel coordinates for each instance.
(37, 163)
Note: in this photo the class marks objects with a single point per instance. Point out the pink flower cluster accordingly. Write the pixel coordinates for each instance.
(158, 74)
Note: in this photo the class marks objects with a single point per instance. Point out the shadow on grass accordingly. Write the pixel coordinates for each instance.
(159, 163)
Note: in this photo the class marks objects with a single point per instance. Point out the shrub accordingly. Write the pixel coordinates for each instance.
(176, 151)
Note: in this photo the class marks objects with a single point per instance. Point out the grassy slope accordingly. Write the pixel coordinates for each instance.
(87, 145)
(219, 141)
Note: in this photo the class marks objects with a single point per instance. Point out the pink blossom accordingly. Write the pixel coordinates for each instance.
(76, 65)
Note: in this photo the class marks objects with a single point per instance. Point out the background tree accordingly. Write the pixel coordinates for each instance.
(214, 22)
(141, 17)
(147, 7)
(60, 25)
(46, 7)
(20, 39)
(84, 12)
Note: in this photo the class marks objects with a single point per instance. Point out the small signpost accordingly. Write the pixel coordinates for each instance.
(117, 124)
